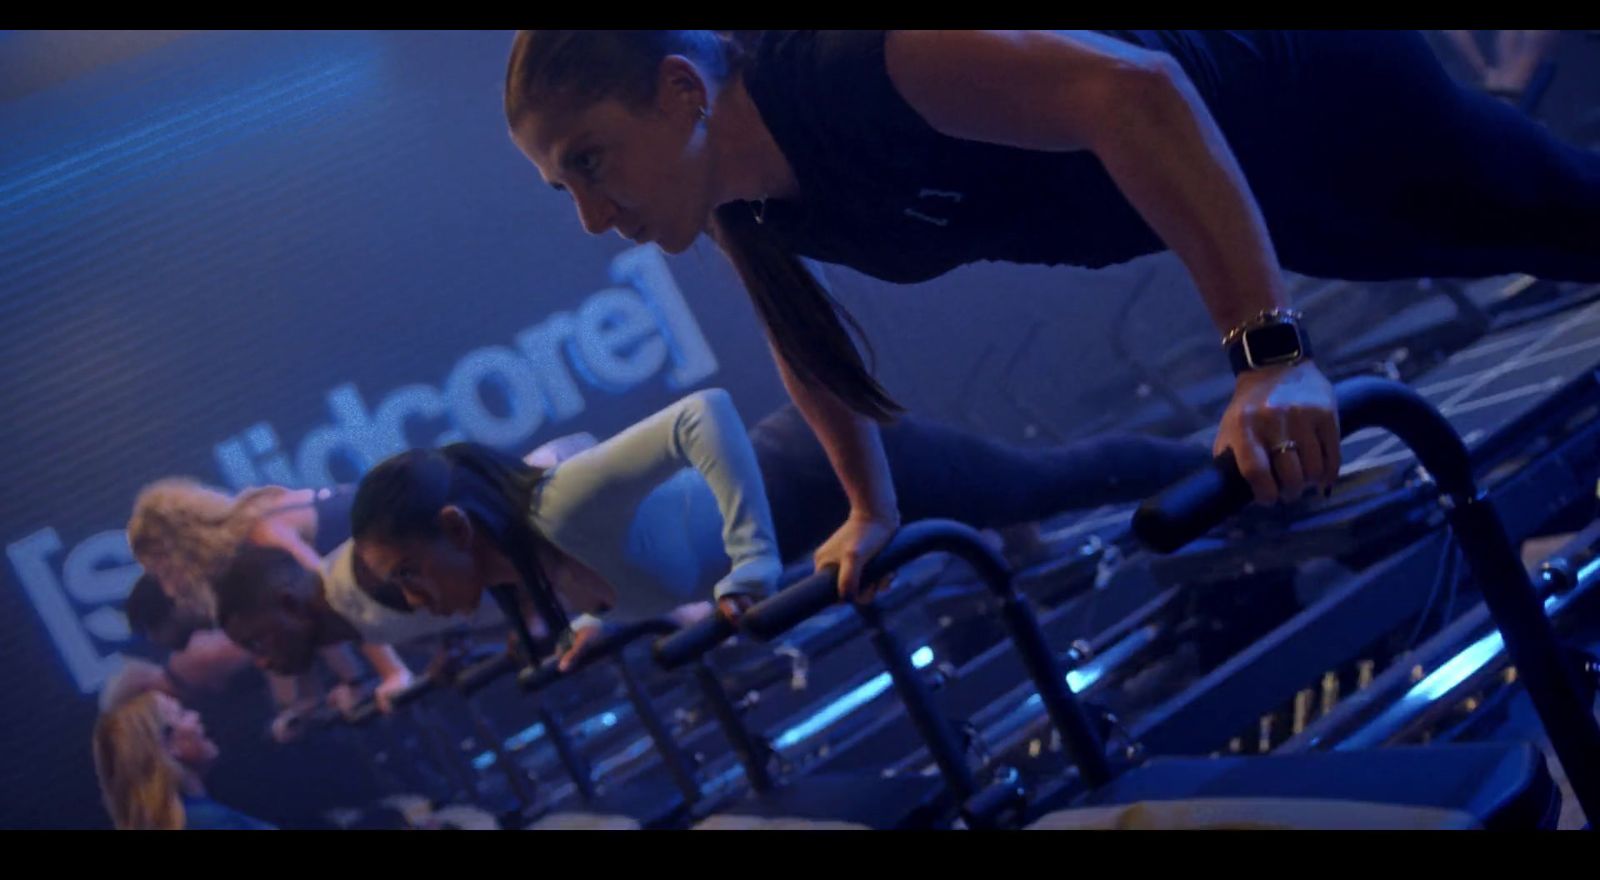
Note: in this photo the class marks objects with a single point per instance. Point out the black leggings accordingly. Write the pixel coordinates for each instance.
(941, 472)
(1370, 163)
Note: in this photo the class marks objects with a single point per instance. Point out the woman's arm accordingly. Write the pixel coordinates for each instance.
(702, 431)
(1137, 112)
(1134, 109)
(855, 448)
(393, 674)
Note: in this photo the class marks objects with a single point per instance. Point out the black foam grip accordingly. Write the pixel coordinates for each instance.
(1198, 503)
(690, 643)
(783, 611)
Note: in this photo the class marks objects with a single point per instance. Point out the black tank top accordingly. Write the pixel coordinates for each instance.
(884, 193)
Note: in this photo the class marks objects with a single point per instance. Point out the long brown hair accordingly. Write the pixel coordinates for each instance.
(563, 71)
(400, 499)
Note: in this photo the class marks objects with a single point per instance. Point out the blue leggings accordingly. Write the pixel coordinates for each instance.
(1370, 163)
(941, 472)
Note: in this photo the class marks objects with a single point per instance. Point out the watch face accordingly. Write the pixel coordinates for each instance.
(1272, 344)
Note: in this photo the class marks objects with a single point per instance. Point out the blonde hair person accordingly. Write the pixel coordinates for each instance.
(185, 533)
(135, 679)
(150, 755)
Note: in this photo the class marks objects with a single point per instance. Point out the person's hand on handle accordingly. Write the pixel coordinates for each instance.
(582, 638)
(391, 684)
(733, 605)
(1283, 427)
(850, 548)
(344, 697)
(285, 727)
(854, 448)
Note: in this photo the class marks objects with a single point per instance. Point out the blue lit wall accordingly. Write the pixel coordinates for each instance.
(277, 258)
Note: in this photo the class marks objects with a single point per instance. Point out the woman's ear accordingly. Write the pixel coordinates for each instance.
(679, 87)
(456, 526)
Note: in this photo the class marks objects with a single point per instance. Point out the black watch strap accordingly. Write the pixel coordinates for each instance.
(1269, 344)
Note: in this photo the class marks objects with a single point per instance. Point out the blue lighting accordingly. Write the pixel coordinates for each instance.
(855, 699)
(639, 747)
(726, 778)
(178, 136)
(1456, 670)
(516, 741)
(1078, 679)
(839, 708)
(1440, 682)
(595, 723)
(1085, 676)
(1461, 667)
(522, 738)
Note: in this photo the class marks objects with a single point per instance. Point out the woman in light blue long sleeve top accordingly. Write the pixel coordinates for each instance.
(680, 507)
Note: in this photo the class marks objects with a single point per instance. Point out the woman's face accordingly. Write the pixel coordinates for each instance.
(280, 638)
(443, 574)
(184, 735)
(643, 171)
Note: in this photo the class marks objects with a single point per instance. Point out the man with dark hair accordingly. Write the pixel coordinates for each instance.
(199, 658)
(282, 612)
(192, 656)
(272, 606)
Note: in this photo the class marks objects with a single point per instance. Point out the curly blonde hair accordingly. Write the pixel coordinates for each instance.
(185, 533)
